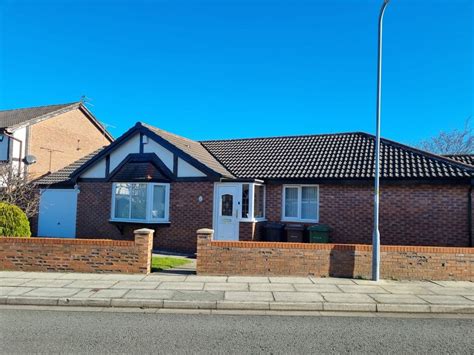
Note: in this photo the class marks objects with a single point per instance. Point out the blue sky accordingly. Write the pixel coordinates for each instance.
(240, 68)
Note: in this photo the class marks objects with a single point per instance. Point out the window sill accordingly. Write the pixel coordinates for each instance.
(254, 220)
(300, 220)
(137, 221)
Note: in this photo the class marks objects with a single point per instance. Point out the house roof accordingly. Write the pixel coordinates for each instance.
(329, 156)
(16, 118)
(462, 158)
(63, 175)
(192, 148)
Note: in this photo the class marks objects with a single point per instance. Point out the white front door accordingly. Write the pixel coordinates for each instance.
(226, 209)
(57, 213)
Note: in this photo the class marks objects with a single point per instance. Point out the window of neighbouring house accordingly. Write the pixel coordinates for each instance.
(140, 202)
(301, 203)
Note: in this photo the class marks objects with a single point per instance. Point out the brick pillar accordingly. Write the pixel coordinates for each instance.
(204, 238)
(144, 244)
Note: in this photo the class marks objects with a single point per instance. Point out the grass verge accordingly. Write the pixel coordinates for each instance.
(159, 263)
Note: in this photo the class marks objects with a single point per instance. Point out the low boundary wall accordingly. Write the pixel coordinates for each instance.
(78, 255)
(335, 260)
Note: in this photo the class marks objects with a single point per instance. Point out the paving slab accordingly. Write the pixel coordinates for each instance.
(440, 290)
(397, 299)
(272, 287)
(196, 286)
(248, 279)
(210, 279)
(248, 296)
(91, 284)
(441, 299)
(47, 283)
(154, 294)
(14, 291)
(297, 297)
(123, 277)
(42, 275)
(12, 281)
(347, 298)
(12, 274)
(198, 295)
(317, 288)
(52, 292)
(467, 284)
(226, 286)
(291, 280)
(81, 276)
(164, 278)
(332, 281)
(136, 285)
(362, 289)
(407, 289)
(102, 293)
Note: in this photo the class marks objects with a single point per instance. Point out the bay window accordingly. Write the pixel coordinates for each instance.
(140, 202)
(300, 203)
(253, 202)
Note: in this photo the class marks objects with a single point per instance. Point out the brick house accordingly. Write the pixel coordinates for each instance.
(150, 177)
(51, 136)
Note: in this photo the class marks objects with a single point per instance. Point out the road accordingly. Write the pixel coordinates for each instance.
(44, 331)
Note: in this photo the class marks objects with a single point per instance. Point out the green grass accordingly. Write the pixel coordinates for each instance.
(159, 263)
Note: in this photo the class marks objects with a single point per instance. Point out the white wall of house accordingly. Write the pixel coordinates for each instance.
(187, 170)
(164, 154)
(132, 146)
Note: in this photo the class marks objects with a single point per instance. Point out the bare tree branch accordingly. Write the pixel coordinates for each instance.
(454, 142)
(17, 190)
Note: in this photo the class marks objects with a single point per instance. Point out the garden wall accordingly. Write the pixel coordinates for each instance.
(78, 255)
(335, 260)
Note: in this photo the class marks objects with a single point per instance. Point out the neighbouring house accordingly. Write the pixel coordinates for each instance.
(40, 140)
(152, 178)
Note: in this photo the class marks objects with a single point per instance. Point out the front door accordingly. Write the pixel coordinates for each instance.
(227, 213)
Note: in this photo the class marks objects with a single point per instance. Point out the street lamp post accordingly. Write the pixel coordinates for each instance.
(376, 232)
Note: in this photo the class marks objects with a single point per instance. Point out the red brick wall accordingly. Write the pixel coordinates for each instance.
(187, 215)
(338, 260)
(76, 255)
(433, 215)
(249, 231)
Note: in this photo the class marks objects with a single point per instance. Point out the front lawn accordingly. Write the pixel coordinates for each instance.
(159, 263)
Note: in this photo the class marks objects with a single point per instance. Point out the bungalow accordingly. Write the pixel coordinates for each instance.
(150, 177)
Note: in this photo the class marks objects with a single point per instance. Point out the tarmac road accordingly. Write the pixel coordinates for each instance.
(45, 331)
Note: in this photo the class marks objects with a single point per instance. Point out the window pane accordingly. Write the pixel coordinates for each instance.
(258, 201)
(245, 201)
(291, 202)
(122, 201)
(227, 205)
(159, 200)
(138, 200)
(309, 206)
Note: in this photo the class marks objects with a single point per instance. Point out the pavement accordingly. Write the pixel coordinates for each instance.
(183, 291)
(26, 330)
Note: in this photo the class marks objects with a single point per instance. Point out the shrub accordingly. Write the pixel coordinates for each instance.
(13, 221)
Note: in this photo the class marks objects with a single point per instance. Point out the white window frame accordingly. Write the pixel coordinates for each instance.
(251, 202)
(298, 218)
(149, 204)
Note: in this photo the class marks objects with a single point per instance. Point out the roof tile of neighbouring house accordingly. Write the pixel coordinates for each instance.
(462, 158)
(192, 148)
(63, 175)
(12, 118)
(329, 156)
